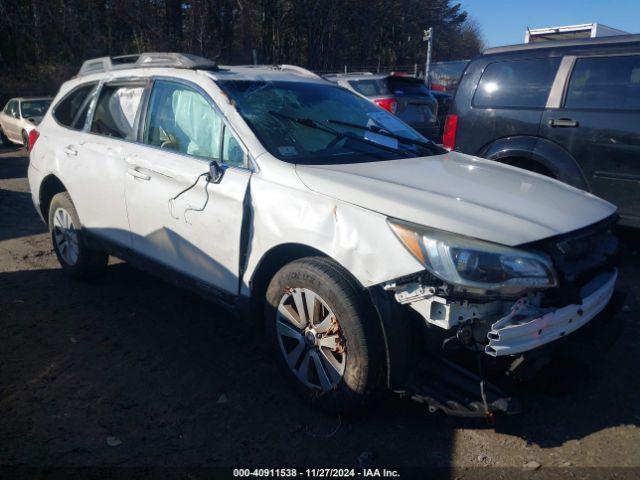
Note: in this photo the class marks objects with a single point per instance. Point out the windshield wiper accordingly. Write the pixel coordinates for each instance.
(311, 123)
(431, 146)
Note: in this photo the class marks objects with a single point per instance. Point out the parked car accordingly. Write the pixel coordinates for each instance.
(445, 76)
(403, 84)
(20, 116)
(272, 190)
(566, 109)
(444, 102)
(405, 97)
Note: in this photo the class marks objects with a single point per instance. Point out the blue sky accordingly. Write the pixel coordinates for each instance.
(504, 22)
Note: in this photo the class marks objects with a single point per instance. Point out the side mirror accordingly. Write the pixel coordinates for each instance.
(215, 172)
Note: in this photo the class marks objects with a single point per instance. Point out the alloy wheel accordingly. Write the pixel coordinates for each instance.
(66, 236)
(311, 339)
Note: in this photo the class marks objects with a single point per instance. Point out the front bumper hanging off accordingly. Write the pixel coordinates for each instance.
(448, 387)
(527, 327)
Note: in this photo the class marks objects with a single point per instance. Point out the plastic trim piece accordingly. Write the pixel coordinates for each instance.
(508, 337)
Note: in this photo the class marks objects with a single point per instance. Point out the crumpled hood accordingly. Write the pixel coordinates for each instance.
(461, 194)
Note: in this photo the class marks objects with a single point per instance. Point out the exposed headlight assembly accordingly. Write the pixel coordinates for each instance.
(475, 264)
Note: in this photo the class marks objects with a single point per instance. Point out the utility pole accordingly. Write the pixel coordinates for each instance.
(428, 37)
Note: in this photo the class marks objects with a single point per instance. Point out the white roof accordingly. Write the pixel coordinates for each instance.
(570, 28)
(281, 73)
(164, 62)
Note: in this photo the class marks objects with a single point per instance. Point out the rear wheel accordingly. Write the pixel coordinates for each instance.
(325, 333)
(75, 256)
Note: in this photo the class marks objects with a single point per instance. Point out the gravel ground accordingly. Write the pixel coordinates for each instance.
(132, 372)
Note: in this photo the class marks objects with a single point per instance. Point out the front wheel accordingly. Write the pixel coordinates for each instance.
(75, 256)
(325, 333)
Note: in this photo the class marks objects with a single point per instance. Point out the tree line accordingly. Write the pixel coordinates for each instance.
(53, 37)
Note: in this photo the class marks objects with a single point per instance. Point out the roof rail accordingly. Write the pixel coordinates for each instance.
(299, 70)
(350, 74)
(551, 44)
(147, 60)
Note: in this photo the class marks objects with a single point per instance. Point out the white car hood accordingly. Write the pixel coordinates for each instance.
(461, 194)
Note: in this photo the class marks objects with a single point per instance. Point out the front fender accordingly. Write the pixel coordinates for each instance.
(546, 153)
(358, 239)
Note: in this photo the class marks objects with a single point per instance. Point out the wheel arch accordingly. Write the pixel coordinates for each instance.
(538, 155)
(393, 322)
(273, 260)
(50, 186)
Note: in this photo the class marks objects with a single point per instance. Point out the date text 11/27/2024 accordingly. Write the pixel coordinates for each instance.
(316, 473)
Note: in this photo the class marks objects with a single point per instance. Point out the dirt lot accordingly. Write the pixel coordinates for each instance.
(181, 383)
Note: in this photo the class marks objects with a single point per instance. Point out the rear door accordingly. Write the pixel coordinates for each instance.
(196, 232)
(509, 100)
(598, 122)
(94, 158)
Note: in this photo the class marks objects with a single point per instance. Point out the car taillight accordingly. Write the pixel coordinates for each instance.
(33, 136)
(450, 130)
(388, 104)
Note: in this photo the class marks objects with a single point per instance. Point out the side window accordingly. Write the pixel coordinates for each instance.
(12, 108)
(605, 83)
(72, 110)
(232, 153)
(116, 111)
(516, 83)
(181, 119)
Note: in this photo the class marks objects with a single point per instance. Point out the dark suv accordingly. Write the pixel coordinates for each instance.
(569, 110)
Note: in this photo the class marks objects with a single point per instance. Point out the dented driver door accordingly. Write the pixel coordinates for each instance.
(196, 232)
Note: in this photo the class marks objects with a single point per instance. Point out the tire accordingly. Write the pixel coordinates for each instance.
(76, 257)
(25, 139)
(350, 352)
(3, 138)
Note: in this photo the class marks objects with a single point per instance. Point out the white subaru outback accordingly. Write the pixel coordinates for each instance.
(270, 187)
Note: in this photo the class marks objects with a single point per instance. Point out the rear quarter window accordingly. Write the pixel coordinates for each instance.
(516, 83)
(72, 110)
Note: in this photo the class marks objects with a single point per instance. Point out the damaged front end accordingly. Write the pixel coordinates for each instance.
(504, 302)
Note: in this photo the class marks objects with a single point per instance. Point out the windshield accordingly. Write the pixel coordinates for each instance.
(303, 122)
(34, 108)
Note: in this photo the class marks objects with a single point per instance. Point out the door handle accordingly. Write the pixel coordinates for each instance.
(135, 173)
(563, 122)
(70, 151)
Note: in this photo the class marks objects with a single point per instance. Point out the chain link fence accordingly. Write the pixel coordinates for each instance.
(415, 70)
